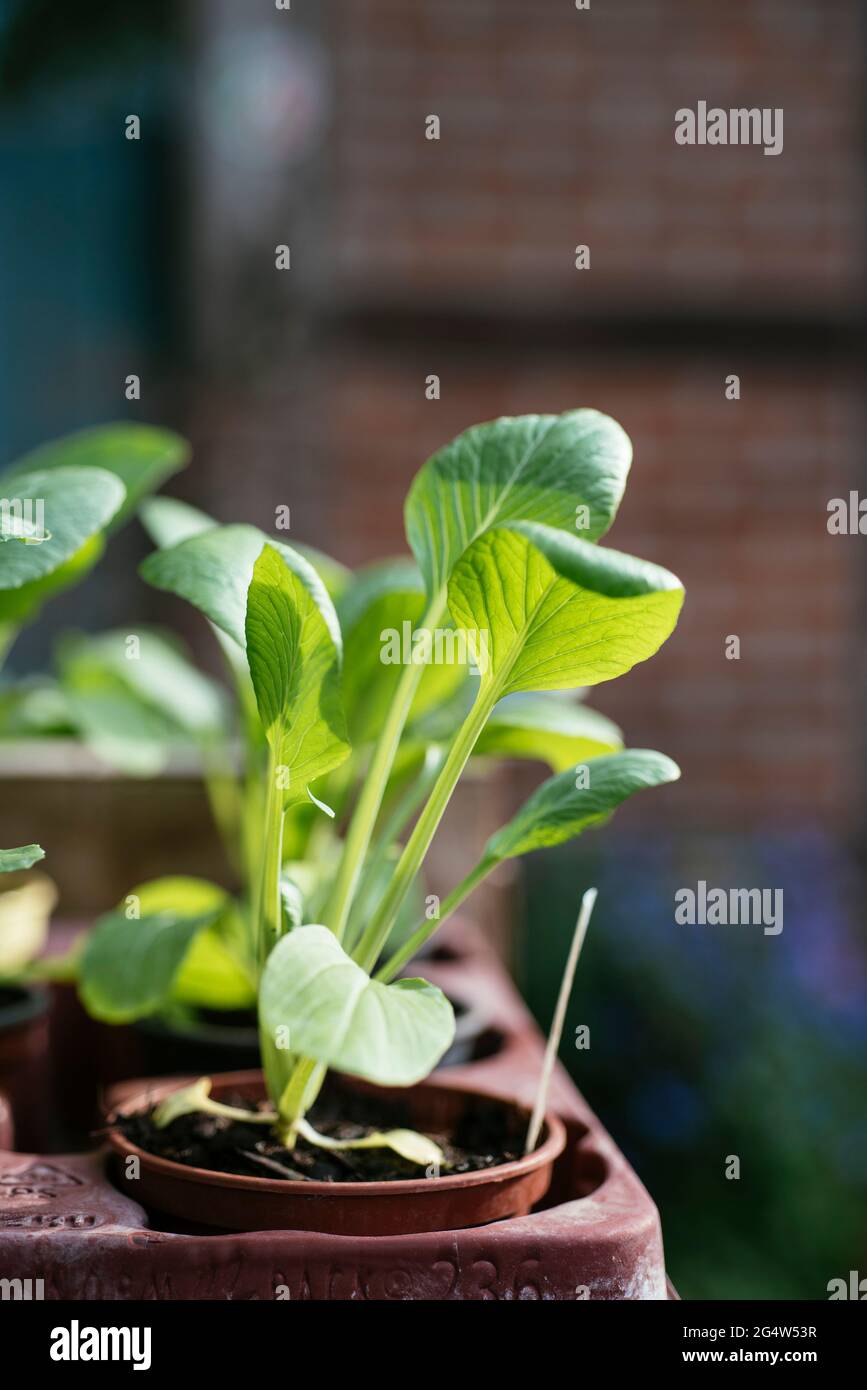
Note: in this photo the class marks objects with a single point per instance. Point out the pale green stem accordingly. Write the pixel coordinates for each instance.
(268, 907)
(376, 934)
(396, 823)
(300, 1091)
(224, 798)
(252, 826)
(426, 928)
(232, 1112)
(370, 800)
(252, 808)
(412, 799)
(8, 633)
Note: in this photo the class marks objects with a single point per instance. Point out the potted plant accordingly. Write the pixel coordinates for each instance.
(58, 504)
(503, 524)
(204, 1017)
(58, 507)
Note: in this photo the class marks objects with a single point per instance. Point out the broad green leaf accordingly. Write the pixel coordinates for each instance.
(295, 669)
(76, 504)
(571, 801)
(213, 569)
(32, 707)
(121, 729)
(179, 893)
(400, 576)
(155, 668)
(12, 861)
(212, 974)
(547, 727)
(325, 1007)
(336, 577)
(378, 616)
(26, 904)
(169, 521)
(140, 456)
(136, 699)
(531, 468)
(20, 605)
(26, 529)
(211, 977)
(554, 612)
(130, 965)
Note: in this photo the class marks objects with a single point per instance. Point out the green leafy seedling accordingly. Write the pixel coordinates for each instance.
(503, 525)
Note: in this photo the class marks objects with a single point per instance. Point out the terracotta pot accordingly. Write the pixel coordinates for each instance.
(446, 1203)
(24, 1072)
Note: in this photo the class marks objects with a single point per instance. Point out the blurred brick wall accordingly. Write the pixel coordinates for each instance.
(456, 257)
(558, 129)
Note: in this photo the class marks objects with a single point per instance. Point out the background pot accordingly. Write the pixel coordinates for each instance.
(473, 1033)
(450, 1202)
(211, 1041)
(24, 1066)
(218, 1041)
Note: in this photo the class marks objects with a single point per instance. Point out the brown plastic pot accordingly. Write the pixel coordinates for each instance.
(206, 1043)
(235, 1203)
(24, 1061)
(597, 1234)
(7, 1126)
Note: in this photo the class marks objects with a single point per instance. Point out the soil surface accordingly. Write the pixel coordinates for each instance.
(487, 1135)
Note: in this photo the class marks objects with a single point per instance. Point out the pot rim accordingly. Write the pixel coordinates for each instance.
(552, 1146)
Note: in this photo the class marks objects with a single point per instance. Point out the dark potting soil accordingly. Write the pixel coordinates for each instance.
(487, 1135)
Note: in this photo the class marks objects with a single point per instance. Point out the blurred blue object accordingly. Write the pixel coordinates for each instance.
(708, 1042)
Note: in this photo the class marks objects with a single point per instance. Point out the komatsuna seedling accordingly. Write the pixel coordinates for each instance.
(503, 525)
